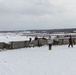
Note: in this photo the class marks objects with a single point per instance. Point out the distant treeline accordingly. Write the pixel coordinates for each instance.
(69, 30)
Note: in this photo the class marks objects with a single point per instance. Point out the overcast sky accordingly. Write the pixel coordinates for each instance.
(37, 14)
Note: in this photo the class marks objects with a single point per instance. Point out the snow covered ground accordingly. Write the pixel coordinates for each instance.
(61, 60)
(8, 38)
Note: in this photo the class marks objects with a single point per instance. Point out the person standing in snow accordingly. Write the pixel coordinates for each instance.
(70, 42)
(50, 42)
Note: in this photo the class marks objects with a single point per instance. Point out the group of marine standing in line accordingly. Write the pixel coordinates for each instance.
(50, 42)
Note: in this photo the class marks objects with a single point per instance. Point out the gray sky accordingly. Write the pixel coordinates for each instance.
(37, 14)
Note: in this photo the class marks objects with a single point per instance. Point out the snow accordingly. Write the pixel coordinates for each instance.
(61, 60)
(8, 38)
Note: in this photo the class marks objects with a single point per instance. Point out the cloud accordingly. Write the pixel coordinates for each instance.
(29, 7)
(37, 13)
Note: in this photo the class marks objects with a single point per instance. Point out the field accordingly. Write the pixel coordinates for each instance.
(61, 60)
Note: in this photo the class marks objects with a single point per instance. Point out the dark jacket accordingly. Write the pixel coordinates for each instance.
(70, 40)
